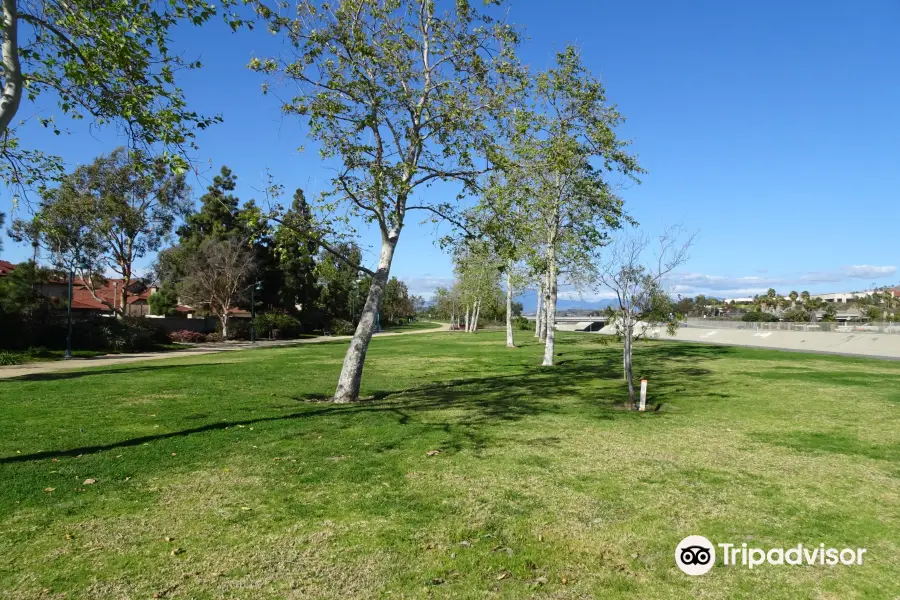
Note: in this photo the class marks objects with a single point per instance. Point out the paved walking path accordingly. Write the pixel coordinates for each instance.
(8, 372)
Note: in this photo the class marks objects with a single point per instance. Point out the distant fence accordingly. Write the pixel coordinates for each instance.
(200, 324)
(833, 327)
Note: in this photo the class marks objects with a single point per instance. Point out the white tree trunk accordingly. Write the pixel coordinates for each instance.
(550, 308)
(510, 342)
(476, 312)
(546, 304)
(629, 377)
(467, 318)
(223, 319)
(351, 373)
(12, 70)
(539, 315)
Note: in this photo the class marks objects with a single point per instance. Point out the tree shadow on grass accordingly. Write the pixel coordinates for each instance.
(466, 408)
(117, 370)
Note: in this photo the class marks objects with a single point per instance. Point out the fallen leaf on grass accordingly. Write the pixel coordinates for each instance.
(89, 482)
(503, 575)
(169, 539)
(177, 551)
(433, 452)
(48, 490)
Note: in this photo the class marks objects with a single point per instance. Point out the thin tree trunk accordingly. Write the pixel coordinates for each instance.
(351, 373)
(223, 319)
(629, 377)
(546, 304)
(123, 295)
(550, 309)
(539, 315)
(467, 317)
(510, 342)
(477, 311)
(13, 80)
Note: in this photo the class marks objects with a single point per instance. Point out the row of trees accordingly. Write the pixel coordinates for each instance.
(802, 307)
(401, 95)
(109, 215)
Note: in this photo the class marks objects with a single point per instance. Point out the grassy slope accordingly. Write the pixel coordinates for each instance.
(540, 476)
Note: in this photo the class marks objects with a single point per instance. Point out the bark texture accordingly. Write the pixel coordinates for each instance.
(510, 341)
(550, 309)
(12, 69)
(628, 326)
(352, 370)
(539, 315)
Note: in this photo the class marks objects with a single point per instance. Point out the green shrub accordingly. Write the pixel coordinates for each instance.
(287, 326)
(523, 324)
(10, 358)
(342, 327)
(759, 316)
(238, 329)
(214, 337)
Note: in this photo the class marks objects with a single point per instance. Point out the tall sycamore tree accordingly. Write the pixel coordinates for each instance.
(566, 162)
(108, 61)
(401, 93)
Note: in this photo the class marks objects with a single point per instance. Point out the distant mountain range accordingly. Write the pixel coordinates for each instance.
(529, 304)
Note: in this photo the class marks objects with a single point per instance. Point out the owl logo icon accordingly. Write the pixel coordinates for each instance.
(695, 555)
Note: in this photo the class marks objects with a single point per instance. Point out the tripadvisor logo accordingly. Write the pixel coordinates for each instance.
(696, 555)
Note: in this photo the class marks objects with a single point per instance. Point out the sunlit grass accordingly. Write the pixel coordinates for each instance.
(216, 476)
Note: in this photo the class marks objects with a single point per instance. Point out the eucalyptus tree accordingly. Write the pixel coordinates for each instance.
(401, 94)
(109, 61)
(570, 154)
(107, 216)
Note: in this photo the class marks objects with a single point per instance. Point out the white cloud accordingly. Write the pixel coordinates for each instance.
(869, 271)
(586, 296)
(424, 285)
(840, 279)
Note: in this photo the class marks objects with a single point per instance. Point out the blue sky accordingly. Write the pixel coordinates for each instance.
(769, 127)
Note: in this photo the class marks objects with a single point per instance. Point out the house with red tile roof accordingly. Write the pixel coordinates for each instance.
(105, 298)
(6, 267)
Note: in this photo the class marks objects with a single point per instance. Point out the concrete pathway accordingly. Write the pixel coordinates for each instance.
(8, 372)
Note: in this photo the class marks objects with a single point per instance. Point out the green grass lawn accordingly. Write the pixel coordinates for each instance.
(414, 326)
(220, 476)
